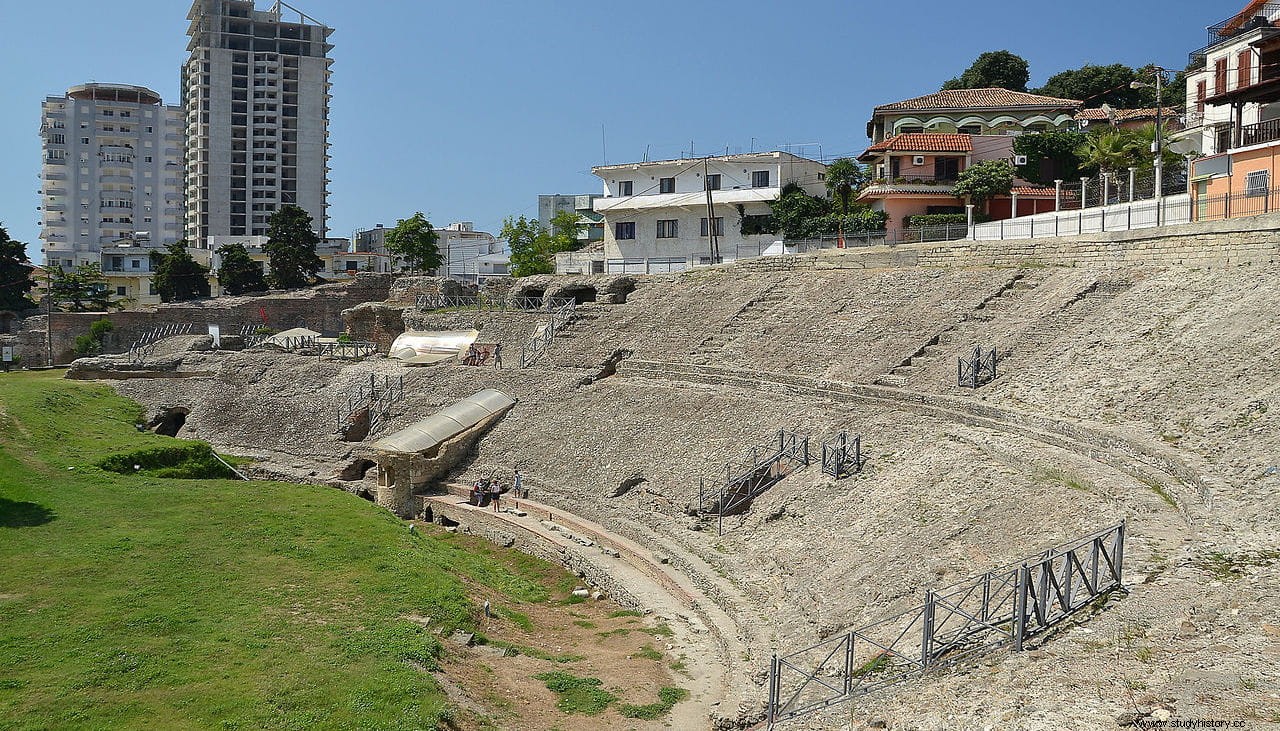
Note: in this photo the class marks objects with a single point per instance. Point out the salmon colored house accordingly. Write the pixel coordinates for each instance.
(915, 174)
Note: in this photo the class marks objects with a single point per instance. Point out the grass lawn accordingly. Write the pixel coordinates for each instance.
(131, 601)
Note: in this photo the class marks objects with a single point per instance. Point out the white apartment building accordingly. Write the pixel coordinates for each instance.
(255, 94)
(1233, 87)
(658, 210)
(110, 182)
(469, 255)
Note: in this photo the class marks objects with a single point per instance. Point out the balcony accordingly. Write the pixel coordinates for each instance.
(1257, 134)
(116, 179)
(56, 207)
(1236, 25)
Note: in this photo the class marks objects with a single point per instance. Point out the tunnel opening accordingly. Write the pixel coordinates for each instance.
(171, 421)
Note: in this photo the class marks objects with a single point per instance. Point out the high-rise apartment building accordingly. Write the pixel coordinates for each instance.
(111, 178)
(255, 92)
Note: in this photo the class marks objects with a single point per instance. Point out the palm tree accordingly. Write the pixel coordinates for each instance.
(1108, 151)
(844, 177)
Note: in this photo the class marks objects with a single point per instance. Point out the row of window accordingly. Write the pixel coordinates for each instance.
(759, 179)
(668, 228)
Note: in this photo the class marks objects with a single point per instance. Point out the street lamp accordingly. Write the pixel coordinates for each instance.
(1157, 146)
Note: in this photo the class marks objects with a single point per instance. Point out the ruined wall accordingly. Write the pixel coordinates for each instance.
(319, 309)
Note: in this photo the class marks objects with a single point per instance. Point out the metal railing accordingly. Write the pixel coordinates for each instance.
(1004, 606)
(1251, 202)
(842, 456)
(484, 302)
(354, 349)
(978, 370)
(760, 468)
(374, 397)
(561, 315)
(144, 346)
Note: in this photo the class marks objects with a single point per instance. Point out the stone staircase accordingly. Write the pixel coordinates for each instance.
(746, 321)
(1079, 308)
(961, 335)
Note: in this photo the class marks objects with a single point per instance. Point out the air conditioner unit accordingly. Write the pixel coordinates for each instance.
(917, 160)
(1019, 159)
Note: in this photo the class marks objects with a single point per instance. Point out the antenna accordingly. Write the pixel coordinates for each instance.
(604, 149)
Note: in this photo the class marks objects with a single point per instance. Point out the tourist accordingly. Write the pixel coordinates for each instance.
(495, 493)
(518, 487)
(497, 356)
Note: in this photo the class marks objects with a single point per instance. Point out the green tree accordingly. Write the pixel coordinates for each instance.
(1095, 86)
(414, 240)
(1108, 151)
(1051, 155)
(91, 343)
(845, 178)
(798, 215)
(983, 181)
(179, 277)
(239, 273)
(994, 69)
(531, 246)
(83, 289)
(564, 231)
(291, 247)
(15, 274)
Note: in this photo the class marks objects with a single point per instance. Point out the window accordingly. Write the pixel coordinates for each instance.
(713, 183)
(150, 130)
(57, 139)
(666, 185)
(108, 113)
(668, 228)
(758, 224)
(760, 179)
(1257, 183)
(970, 129)
(909, 130)
(1244, 69)
(719, 226)
(122, 291)
(1220, 76)
(135, 264)
(148, 158)
(625, 230)
(84, 140)
(1201, 92)
(946, 168)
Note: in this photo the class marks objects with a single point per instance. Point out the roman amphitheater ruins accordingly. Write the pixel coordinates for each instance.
(788, 459)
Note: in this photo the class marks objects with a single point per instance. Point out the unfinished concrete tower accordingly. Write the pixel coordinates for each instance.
(255, 92)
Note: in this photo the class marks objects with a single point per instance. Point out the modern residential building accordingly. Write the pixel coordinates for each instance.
(591, 224)
(111, 182)
(1233, 115)
(469, 255)
(659, 210)
(972, 112)
(255, 94)
(1170, 118)
(915, 174)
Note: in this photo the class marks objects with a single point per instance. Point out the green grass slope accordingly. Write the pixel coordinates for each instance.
(131, 601)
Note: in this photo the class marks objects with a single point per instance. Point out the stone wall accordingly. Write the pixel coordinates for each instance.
(1234, 242)
(319, 309)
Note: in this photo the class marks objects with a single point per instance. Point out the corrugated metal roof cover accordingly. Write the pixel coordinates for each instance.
(446, 423)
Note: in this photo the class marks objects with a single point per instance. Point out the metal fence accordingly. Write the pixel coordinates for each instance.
(842, 456)
(145, 345)
(562, 313)
(354, 349)
(375, 397)
(978, 370)
(1004, 606)
(759, 469)
(1252, 202)
(1167, 211)
(483, 302)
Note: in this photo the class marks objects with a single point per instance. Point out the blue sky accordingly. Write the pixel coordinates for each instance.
(469, 110)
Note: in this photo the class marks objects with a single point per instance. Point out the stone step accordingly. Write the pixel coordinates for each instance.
(889, 379)
(904, 370)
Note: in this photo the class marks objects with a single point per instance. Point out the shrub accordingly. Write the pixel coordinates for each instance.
(189, 461)
(577, 695)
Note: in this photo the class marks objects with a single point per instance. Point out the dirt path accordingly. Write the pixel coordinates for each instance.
(704, 634)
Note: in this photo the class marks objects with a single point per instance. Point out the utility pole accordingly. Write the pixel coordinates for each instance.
(711, 215)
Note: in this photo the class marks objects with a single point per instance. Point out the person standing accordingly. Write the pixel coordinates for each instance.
(495, 493)
(518, 487)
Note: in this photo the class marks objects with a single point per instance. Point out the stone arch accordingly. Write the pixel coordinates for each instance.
(8, 319)
(171, 421)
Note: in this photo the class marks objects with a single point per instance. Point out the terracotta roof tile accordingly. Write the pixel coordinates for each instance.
(924, 142)
(1123, 115)
(977, 99)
